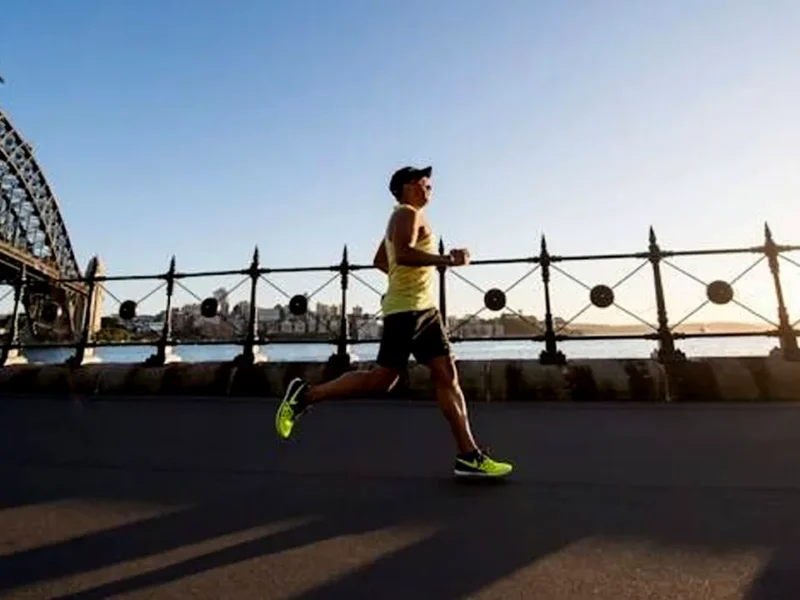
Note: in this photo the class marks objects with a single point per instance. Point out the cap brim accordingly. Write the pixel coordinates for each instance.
(424, 172)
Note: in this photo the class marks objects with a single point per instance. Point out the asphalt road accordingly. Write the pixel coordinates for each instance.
(168, 499)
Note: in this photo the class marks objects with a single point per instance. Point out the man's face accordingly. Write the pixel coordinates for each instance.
(418, 192)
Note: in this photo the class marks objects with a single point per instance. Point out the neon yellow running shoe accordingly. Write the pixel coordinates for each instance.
(478, 464)
(290, 408)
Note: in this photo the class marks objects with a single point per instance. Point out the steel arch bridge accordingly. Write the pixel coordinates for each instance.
(33, 235)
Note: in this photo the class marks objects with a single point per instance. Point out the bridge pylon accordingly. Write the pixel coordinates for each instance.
(87, 310)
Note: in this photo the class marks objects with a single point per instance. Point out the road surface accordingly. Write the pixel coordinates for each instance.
(196, 498)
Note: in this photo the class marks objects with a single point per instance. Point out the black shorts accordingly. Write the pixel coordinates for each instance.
(420, 332)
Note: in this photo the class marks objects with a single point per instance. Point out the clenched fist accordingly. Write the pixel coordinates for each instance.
(459, 256)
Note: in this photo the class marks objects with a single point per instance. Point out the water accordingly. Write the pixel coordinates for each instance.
(472, 350)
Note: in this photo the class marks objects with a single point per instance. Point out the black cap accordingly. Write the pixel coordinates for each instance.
(404, 175)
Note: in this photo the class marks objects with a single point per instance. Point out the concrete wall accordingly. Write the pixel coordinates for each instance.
(612, 380)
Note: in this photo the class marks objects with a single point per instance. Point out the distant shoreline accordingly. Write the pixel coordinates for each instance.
(713, 327)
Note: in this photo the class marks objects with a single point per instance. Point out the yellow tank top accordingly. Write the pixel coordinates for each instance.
(410, 288)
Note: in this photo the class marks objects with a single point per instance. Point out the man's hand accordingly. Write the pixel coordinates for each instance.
(459, 257)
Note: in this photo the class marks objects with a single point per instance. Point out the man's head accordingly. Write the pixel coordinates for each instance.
(412, 186)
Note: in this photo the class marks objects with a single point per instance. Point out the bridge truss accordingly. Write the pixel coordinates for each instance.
(33, 235)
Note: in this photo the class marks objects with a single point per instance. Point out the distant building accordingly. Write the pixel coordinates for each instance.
(221, 295)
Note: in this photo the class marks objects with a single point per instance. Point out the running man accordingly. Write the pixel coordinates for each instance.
(411, 325)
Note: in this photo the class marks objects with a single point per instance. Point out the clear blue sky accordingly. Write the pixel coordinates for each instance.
(200, 130)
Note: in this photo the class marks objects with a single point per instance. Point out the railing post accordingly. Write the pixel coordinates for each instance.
(11, 354)
(341, 346)
(550, 355)
(339, 362)
(666, 342)
(442, 286)
(251, 354)
(80, 356)
(165, 348)
(786, 334)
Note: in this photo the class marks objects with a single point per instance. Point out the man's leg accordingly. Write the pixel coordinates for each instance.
(451, 401)
(432, 348)
(353, 383)
(392, 358)
(299, 395)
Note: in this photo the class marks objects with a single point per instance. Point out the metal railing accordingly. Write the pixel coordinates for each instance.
(550, 331)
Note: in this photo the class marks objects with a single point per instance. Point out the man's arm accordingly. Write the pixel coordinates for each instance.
(404, 227)
(381, 261)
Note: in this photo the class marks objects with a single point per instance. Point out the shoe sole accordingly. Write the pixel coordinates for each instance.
(479, 474)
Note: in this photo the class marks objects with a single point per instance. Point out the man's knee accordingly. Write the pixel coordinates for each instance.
(384, 379)
(444, 372)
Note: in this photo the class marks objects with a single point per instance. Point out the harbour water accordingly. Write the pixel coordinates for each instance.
(469, 350)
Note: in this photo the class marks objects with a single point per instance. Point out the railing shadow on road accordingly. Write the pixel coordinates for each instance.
(429, 541)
